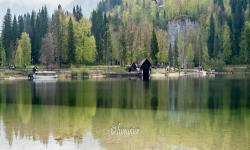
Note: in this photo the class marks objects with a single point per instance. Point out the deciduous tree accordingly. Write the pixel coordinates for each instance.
(23, 53)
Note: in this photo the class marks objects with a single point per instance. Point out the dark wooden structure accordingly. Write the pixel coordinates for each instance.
(145, 67)
(132, 67)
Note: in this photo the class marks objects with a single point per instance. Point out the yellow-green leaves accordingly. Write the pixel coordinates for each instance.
(23, 53)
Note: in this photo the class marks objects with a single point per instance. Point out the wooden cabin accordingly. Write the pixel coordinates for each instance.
(145, 67)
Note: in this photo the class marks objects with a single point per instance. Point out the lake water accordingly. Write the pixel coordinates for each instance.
(112, 114)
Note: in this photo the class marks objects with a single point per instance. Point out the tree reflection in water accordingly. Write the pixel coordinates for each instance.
(184, 113)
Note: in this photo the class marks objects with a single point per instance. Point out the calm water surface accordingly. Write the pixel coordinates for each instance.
(112, 114)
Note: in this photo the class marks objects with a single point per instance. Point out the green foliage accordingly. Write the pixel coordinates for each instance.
(57, 28)
(89, 52)
(123, 48)
(237, 23)
(218, 62)
(77, 12)
(85, 43)
(7, 35)
(162, 39)
(176, 53)
(14, 31)
(128, 31)
(227, 51)
(71, 42)
(47, 50)
(154, 47)
(23, 53)
(211, 37)
(190, 56)
(245, 44)
(2, 54)
(20, 26)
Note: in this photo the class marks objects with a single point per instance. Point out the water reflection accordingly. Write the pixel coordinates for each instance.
(171, 114)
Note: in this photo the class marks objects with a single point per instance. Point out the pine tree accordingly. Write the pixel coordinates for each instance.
(77, 12)
(27, 24)
(227, 51)
(44, 21)
(107, 43)
(14, 31)
(20, 26)
(98, 29)
(6, 35)
(176, 53)
(211, 37)
(237, 10)
(170, 55)
(71, 42)
(32, 34)
(154, 47)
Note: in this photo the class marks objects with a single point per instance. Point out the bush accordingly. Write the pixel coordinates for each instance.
(218, 64)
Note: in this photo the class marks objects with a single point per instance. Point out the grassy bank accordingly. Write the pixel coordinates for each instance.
(101, 71)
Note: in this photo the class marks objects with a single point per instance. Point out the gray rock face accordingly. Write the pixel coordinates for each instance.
(180, 27)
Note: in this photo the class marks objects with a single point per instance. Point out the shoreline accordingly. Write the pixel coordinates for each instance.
(69, 75)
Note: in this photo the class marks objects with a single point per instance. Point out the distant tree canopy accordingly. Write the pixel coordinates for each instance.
(124, 31)
(222, 26)
(53, 40)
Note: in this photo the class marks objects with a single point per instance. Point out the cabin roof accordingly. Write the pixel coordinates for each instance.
(145, 63)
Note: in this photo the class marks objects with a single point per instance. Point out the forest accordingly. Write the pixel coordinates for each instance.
(120, 32)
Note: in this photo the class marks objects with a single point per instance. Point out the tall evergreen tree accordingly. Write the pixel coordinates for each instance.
(27, 24)
(176, 52)
(71, 42)
(6, 35)
(14, 31)
(20, 26)
(39, 31)
(32, 35)
(211, 37)
(154, 47)
(170, 55)
(107, 43)
(237, 10)
(44, 21)
(77, 12)
(97, 29)
(227, 50)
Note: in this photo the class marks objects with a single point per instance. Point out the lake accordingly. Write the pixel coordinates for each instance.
(111, 114)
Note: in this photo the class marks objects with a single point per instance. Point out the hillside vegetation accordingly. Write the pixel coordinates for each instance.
(181, 33)
(222, 36)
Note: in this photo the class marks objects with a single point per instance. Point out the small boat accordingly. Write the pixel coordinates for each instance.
(45, 75)
(203, 73)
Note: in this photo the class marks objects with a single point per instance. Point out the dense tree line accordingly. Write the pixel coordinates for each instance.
(127, 31)
(138, 29)
(37, 38)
